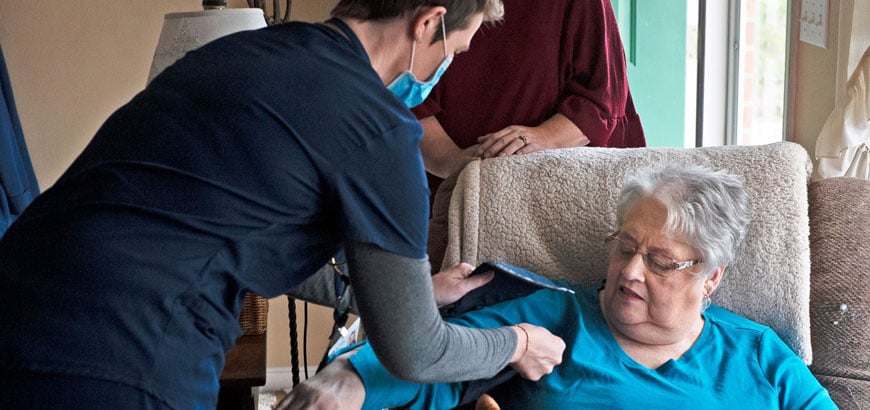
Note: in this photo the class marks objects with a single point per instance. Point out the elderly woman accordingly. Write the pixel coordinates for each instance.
(649, 336)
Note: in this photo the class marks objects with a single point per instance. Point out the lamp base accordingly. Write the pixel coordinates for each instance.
(214, 4)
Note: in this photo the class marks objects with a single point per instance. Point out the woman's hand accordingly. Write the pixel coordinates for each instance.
(515, 139)
(452, 284)
(538, 351)
(556, 132)
(336, 386)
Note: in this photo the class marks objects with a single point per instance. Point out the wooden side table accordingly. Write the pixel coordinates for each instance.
(244, 372)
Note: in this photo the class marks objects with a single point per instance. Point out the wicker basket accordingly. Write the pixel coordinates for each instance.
(255, 312)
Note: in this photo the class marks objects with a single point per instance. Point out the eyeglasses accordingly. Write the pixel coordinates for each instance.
(655, 262)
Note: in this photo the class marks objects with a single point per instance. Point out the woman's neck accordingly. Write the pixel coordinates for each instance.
(387, 44)
(651, 345)
(653, 350)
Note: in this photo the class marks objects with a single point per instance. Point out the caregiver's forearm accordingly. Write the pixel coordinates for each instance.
(401, 320)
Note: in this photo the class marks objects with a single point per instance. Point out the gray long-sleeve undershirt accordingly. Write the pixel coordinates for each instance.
(398, 311)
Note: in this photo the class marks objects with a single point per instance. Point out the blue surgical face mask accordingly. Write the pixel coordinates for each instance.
(412, 91)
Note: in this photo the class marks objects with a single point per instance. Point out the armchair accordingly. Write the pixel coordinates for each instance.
(549, 212)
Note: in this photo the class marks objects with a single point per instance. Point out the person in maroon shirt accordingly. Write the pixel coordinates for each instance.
(551, 75)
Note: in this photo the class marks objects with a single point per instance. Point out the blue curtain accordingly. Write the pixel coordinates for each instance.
(18, 184)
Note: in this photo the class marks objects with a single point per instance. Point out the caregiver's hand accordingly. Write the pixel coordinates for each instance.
(336, 386)
(538, 351)
(453, 283)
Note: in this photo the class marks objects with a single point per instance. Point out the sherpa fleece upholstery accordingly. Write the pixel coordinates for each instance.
(550, 211)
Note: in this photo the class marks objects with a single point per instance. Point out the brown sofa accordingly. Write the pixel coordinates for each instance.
(839, 211)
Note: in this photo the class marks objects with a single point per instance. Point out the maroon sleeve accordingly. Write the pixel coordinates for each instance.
(596, 95)
(428, 108)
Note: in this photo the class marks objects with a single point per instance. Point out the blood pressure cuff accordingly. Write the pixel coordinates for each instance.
(509, 282)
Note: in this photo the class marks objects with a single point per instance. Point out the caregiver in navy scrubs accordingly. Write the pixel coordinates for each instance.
(244, 167)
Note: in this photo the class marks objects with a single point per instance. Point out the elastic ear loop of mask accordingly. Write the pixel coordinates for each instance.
(443, 42)
(444, 35)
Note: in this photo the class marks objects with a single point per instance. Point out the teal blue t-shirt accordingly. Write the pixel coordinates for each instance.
(735, 363)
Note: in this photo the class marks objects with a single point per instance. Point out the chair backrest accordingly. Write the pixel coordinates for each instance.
(550, 211)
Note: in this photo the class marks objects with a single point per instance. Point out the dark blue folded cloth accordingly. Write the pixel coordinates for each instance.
(510, 282)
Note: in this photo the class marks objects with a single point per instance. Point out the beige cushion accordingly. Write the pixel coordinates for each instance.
(550, 211)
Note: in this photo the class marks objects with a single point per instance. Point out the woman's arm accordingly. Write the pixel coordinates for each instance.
(383, 390)
(366, 385)
(441, 156)
(397, 308)
(795, 385)
(336, 386)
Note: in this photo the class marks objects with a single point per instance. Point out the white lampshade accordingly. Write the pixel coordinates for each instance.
(186, 31)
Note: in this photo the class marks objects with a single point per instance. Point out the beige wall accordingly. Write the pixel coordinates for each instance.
(73, 63)
(816, 83)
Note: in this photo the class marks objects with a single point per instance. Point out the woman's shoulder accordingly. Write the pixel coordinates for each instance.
(736, 331)
(726, 318)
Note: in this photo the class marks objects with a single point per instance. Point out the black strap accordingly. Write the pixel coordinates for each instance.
(342, 310)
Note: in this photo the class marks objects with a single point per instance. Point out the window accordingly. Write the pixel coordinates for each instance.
(758, 112)
(706, 72)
